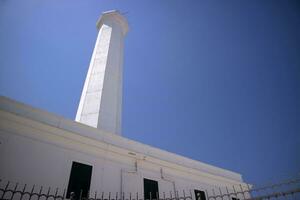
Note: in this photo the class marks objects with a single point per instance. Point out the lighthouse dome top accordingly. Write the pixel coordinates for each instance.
(114, 15)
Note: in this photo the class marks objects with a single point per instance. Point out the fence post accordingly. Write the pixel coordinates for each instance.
(55, 195)
(213, 190)
(64, 194)
(14, 191)
(242, 191)
(236, 194)
(80, 196)
(5, 190)
(221, 195)
(39, 195)
(47, 196)
(23, 192)
(227, 192)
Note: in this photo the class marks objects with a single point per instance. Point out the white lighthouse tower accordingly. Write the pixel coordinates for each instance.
(101, 100)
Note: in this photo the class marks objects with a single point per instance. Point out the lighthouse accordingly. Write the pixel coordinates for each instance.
(100, 104)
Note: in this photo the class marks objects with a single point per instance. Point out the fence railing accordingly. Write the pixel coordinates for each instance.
(285, 190)
(15, 191)
(12, 191)
(288, 189)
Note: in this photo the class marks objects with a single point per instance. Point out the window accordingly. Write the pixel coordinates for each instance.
(150, 187)
(80, 180)
(199, 195)
(233, 198)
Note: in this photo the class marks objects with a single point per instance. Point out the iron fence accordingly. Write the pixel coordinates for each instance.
(285, 190)
(12, 191)
(288, 189)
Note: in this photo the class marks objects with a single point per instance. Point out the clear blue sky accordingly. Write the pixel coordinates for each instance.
(216, 81)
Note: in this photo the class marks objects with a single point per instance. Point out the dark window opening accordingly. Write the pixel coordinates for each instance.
(233, 198)
(200, 195)
(150, 189)
(80, 180)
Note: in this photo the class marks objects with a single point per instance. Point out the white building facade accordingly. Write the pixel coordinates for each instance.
(37, 147)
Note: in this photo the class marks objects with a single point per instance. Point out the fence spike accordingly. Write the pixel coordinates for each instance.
(56, 191)
(48, 193)
(206, 194)
(14, 191)
(80, 195)
(213, 190)
(221, 195)
(191, 194)
(22, 193)
(32, 190)
(242, 191)
(228, 194)
(235, 193)
(64, 194)
(5, 190)
(39, 195)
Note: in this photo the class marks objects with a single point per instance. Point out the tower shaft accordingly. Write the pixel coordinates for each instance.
(101, 100)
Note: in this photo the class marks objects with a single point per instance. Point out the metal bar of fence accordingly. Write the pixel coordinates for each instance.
(242, 191)
(39, 195)
(191, 194)
(5, 189)
(64, 194)
(228, 194)
(235, 193)
(23, 191)
(55, 195)
(221, 195)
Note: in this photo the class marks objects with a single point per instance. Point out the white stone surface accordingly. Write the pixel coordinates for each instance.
(101, 100)
(37, 147)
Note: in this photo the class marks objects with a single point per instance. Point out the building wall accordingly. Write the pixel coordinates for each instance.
(37, 153)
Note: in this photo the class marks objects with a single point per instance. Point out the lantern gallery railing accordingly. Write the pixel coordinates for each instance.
(284, 190)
